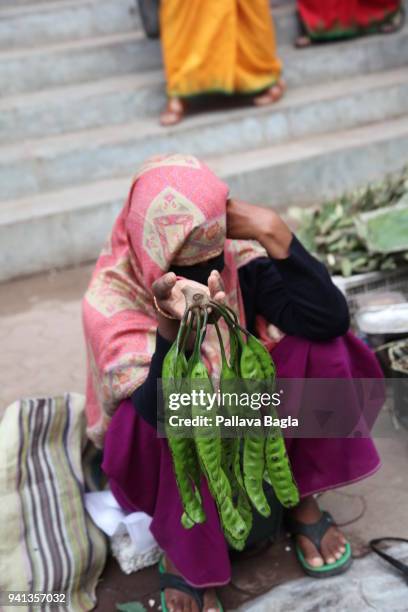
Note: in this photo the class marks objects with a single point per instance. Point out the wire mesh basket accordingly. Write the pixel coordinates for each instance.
(398, 357)
(398, 364)
(391, 349)
(354, 287)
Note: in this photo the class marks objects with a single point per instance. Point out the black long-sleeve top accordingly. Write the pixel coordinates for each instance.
(296, 294)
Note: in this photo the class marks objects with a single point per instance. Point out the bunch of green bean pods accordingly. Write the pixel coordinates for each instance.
(231, 456)
(185, 462)
(234, 469)
(256, 365)
(209, 447)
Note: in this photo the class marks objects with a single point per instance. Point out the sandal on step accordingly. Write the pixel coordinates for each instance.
(303, 39)
(303, 42)
(394, 24)
(171, 581)
(315, 533)
(272, 95)
(173, 113)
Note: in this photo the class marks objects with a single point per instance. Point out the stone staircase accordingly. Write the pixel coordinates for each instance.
(80, 91)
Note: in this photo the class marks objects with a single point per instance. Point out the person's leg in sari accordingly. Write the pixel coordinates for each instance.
(217, 47)
(321, 464)
(334, 20)
(140, 470)
(258, 68)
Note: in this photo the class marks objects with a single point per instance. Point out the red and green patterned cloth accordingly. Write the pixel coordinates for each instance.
(335, 19)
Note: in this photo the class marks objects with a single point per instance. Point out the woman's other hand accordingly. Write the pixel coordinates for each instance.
(249, 222)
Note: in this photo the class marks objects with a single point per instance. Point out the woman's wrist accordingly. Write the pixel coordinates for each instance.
(276, 237)
(168, 328)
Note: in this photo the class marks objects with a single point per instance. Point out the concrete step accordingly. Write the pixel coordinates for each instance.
(76, 107)
(308, 171)
(9, 4)
(124, 99)
(51, 163)
(53, 21)
(69, 226)
(107, 56)
(77, 61)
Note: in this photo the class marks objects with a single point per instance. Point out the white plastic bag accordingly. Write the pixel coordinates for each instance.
(132, 542)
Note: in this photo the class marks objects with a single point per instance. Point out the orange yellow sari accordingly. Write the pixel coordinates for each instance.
(218, 46)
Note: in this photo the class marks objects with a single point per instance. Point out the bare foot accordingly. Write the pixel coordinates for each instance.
(177, 601)
(271, 95)
(173, 113)
(333, 544)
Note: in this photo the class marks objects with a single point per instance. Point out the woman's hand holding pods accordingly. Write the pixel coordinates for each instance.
(171, 299)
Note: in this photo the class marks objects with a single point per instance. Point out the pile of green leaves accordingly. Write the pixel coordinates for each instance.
(331, 233)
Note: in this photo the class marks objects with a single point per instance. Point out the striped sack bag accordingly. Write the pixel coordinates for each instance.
(47, 540)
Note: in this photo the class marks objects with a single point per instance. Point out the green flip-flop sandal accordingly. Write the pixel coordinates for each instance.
(171, 581)
(315, 533)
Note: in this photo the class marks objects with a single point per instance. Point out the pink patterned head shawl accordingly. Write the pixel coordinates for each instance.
(175, 214)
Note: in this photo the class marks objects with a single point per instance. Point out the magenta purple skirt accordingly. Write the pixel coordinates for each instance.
(139, 465)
